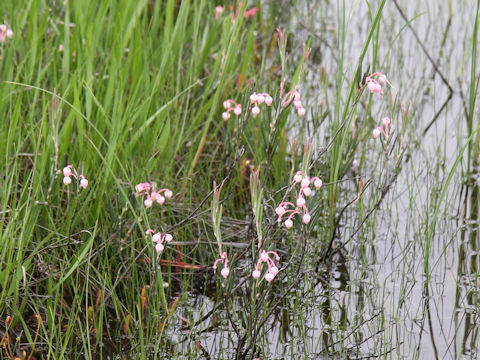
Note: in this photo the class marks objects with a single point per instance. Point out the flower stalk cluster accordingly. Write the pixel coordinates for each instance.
(257, 99)
(294, 96)
(231, 106)
(290, 209)
(152, 194)
(158, 239)
(373, 85)
(69, 171)
(272, 267)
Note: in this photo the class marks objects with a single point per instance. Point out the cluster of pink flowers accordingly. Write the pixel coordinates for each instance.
(231, 105)
(224, 260)
(272, 268)
(385, 130)
(374, 85)
(305, 191)
(5, 33)
(250, 12)
(152, 195)
(294, 96)
(158, 239)
(69, 171)
(257, 99)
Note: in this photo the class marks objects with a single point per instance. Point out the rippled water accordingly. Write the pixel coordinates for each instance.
(372, 302)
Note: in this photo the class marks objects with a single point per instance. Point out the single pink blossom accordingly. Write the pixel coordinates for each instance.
(218, 11)
(224, 260)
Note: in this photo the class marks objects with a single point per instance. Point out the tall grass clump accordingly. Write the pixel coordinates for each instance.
(118, 116)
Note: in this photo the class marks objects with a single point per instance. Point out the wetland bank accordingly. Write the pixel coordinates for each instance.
(254, 138)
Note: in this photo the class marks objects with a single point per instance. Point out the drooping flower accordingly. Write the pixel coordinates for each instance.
(231, 106)
(272, 267)
(260, 98)
(152, 194)
(69, 171)
(158, 239)
(373, 85)
(294, 96)
(385, 130)
(5, 33)
(300, 206)
(224, 260)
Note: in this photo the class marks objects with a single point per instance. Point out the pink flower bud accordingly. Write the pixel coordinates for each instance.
(159, 248)
(263, 256)
(386, 121)
(238, 110)
(60, 47)
(225, 116)
(307, 191)
(157, 237)
(318, 183)
(168, 194)
(148, 203)
(288, 223)
(255, 110)
(253, 97)
(268, 100)
(269, 277)
(274, 270)
(9, 33)
(298, 177)
(280, 210)
(297, 104)
(84, 183)
(372, 86)
(305, 182)
(301, 111)
(382, 78)
(67, 171)
(300, 201)
(376, 132)
(256, 274)
(67, 180)
(225, 271)
(296, 95)
(306, 218)
(168, 237)
(218, 11)
(260, 98)
(160, 199)
(226, 104)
